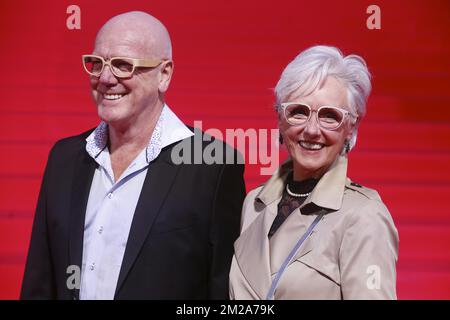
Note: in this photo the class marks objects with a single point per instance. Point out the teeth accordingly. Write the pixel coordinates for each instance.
(310, 145)
(112, 96)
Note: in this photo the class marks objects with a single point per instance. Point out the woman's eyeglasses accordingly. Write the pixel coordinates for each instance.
(329, 118)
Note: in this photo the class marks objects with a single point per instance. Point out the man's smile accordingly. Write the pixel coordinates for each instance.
(113, 96)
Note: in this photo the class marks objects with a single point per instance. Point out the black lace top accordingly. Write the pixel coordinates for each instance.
(289, 203)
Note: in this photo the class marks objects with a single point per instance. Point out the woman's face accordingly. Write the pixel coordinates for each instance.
(312, 148)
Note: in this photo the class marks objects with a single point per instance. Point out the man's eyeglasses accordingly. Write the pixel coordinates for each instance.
(121, 67)
(329, 118)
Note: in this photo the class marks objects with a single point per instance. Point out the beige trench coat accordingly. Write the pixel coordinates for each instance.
(351, 254)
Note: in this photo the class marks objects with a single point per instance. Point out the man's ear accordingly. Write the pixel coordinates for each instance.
(165, 75)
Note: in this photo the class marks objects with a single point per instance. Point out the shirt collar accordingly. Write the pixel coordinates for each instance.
(168, 129)
(174, 129)
(328, 192)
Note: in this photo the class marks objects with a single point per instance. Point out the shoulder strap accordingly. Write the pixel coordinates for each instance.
(273, 287)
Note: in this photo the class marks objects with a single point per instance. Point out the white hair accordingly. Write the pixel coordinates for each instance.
(310, 69)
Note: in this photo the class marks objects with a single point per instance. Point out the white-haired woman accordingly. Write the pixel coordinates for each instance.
(309, 232)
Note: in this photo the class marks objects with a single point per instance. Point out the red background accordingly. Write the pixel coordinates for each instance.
(228, 57)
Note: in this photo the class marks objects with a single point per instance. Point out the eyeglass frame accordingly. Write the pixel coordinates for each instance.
(136, 63)
(345, 113)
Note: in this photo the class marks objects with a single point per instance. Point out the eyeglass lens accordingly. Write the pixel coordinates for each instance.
(329, 118)
(120, 67)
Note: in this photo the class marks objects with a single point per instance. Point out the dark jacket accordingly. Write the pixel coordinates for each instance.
(181, 239)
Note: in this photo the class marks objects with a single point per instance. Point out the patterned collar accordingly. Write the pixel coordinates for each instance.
(97, 141)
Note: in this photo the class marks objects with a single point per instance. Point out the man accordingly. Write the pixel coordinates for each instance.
(112, 200)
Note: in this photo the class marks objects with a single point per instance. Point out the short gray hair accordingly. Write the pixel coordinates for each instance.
(311, 67)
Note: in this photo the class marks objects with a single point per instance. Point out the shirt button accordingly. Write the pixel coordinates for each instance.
(100, 230)
(110, 195)
(92, 266)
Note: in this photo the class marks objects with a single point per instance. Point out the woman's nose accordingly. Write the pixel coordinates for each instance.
(312, 126)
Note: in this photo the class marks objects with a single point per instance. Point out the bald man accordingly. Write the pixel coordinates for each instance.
(117, 217)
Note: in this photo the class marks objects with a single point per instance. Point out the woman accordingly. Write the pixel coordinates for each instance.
(309, 232)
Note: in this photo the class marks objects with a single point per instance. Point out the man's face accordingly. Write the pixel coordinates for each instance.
(121, 101)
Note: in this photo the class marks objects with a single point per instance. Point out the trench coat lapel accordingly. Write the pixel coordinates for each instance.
(287, 236)
(252, 252)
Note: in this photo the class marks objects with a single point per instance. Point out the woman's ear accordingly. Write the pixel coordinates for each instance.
(352, 128)
(350, 139)
(349, 136)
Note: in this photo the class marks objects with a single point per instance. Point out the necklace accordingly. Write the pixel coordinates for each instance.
(296, 194)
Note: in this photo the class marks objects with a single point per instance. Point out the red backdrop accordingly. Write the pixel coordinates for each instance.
(228, 57)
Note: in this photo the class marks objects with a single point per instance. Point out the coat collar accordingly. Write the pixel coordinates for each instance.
(327, 194)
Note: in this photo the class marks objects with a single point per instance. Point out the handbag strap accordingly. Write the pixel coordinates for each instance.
(273, 287)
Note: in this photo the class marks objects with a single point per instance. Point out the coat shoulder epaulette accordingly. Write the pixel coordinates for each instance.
(367, 192)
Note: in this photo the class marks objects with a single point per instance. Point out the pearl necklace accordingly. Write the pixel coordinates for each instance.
(296, 194)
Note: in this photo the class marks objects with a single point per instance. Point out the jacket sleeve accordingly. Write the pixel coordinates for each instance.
(368, 254)
(38, 280)
(225, 224)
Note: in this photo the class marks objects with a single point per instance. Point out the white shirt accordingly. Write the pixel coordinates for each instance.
(111, 204)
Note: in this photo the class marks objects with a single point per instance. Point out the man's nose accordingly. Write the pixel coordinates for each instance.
(107, 77)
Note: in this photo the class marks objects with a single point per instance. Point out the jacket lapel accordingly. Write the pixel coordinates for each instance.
(160, 176)
(284, 240)
(252, 252)
(81, 184)
(287, 236)
(252, 249)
